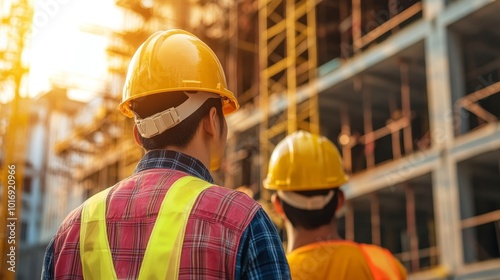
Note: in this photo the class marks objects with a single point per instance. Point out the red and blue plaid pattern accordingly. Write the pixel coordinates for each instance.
(211, 240)
(228, 235)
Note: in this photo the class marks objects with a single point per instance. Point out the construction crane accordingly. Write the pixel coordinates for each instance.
(15, 23)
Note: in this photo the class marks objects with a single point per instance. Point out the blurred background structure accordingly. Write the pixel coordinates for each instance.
(15, 23)
(407, 89)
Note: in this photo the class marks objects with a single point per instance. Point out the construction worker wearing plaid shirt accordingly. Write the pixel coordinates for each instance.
(168, 220)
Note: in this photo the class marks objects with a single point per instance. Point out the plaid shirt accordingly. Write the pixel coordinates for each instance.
(259, 254)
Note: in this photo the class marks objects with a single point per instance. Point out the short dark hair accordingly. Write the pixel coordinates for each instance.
(311, 219)
(181, 134)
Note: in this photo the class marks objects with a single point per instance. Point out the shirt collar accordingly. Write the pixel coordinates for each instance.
(174, 160)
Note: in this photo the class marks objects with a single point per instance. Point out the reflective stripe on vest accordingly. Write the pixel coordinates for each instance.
(164, 245)
(382, 263)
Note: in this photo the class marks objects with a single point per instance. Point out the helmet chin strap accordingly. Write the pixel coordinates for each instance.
(298, 201)
(161, 121)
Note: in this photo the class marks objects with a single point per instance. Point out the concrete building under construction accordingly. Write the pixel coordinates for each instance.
(408, 90)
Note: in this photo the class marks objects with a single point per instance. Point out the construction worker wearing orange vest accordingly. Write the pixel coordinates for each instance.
(306, 172)
(168, 220)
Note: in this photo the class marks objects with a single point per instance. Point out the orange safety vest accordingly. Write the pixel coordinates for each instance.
(164, 245)
(381, 262)
(342, 259)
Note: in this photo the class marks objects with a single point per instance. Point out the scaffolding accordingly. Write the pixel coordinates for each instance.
(294, 38)
(287, 59)
(398, 122)
(476, 107)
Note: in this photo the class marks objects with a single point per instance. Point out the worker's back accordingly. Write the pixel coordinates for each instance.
(343, 260)
(210, 241)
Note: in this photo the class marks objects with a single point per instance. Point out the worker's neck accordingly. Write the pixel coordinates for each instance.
(298, 237)
(197, 148)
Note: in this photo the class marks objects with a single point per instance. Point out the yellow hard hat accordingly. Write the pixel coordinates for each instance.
(175, 61)
(303, 162)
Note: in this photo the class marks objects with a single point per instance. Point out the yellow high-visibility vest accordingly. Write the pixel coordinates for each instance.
(164, 245)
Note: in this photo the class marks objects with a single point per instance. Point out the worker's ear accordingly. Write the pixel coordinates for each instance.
(136, 136)
(211, 124)
(340, 199)
(277, 205)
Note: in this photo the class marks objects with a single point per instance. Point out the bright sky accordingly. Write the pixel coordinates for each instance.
(63, 52)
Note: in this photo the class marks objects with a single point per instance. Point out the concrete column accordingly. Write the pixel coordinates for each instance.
(467, 208)
(431, 8)
(444, 178)
(460, 123)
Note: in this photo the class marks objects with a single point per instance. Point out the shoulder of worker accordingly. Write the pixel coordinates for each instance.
(374, 249)
(74, 217)
(235, 204)
(67, 231)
